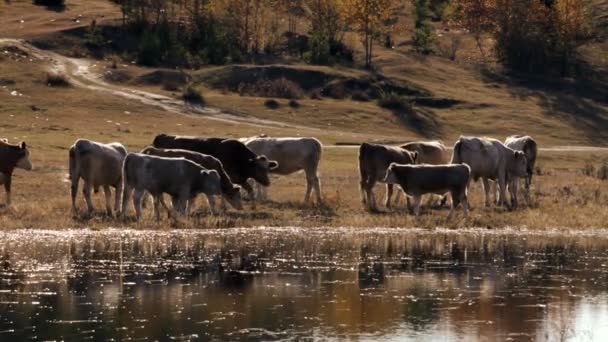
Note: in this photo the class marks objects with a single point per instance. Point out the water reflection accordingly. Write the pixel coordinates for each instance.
(270, 284)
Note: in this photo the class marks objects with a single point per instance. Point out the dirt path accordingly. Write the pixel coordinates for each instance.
(80, 74)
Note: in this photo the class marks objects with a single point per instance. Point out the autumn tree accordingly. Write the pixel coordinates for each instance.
(369, 18)
(531, 36)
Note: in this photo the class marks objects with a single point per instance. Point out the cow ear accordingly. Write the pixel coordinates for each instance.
(273, 165)
(262, 158)
(23, 145)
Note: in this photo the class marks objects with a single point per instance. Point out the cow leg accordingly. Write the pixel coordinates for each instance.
(126, 194)
(362, 191)
(191, 204)
(137, 197)
(86, 192)
(117, 197)
(417, 201)
(211, 200)
(528, 182)
(389, 195)
(308, 189)
(157, 200)
(502, 190)
(74, 193)
(371, 198)
(245, 185)
(316, 184)
(513, 189)
(108, 193)
(486, 191)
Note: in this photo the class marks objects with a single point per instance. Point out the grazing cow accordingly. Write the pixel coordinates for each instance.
(230, 192)
(489, 159)
(293, 155)
(374, 160)
(417, 180)
(239, 161)
(429, 152)
(99, 165)
(182, 179)
(12, 157)
(527, 145)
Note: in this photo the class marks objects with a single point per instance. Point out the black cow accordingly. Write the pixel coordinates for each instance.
(238, 160)
(12, 157)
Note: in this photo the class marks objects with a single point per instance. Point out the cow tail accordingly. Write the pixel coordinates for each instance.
(456, 156)
(363, 156)
(73, 165)
(318, 154)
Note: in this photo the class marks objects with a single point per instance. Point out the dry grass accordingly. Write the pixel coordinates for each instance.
(563, 197)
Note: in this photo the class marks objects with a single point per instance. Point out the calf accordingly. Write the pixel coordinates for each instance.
(429, 152)
(12, 157)
(99, 165)
(374, 160)
(239, 161)
(489, 159)
(417, 180)
(528, 146)
(182, 179)
(293, 155)
(230, 192)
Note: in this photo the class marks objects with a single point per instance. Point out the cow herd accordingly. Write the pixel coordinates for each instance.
(183, 167)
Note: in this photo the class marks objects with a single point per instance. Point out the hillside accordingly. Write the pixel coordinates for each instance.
(448, 98)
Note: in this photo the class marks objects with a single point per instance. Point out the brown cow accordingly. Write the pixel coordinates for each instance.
(417, 180)
(12, 157)
(374, 159)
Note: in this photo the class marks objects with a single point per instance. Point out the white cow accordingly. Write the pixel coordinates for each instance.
(293, 155)
(528, 146)
(489, 159)
(99, 165)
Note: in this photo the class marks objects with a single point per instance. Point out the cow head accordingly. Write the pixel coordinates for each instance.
(233, 196)
(519, 164)
(211, 182)
(390, 177)
(24, 161)
(261, 166)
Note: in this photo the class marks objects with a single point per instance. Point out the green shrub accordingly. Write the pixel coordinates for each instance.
(54, 79)
(319, 49)
(93, 35)
(192, 95)
(393, 101)
(423, 33)
(271, 103)
(280, 87)
(149, 52)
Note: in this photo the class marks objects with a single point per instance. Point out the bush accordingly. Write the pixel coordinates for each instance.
(50, 3)
(192, 95)
(319, 49)
(360, 96)
(423, 34)
(294, 104)
(394, 101)
(280, 87)
(271, 103)
(149, 52)
(93, 36)
(56, 80)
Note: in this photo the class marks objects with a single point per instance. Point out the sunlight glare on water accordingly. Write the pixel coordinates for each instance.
(325, 283)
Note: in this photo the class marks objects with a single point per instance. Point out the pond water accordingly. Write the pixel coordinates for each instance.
(299, 284)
